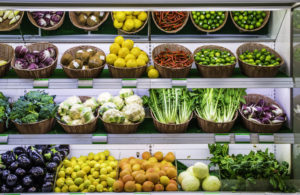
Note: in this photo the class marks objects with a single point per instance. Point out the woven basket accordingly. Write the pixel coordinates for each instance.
(80, 129)
(115, 128)
(88, 73)
(257, 71)
(173, 31)
(170, 128)
(56, 26)
(2, 127)
(4, 26)
(215, 127)
(132, 32)
(73, 17)
(40, 127)
(7, 53)
(212, 30)
(207, 71)
(41, 72)
(117, 72)
(167, 72)
(255, 127)
(253, 30)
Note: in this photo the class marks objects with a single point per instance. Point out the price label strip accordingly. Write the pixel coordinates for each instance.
(242, 138)
(222, 138)
(99, 139)
(40, 83)
(129, 83)
(266, 138)
(85, 83)
(3, 138)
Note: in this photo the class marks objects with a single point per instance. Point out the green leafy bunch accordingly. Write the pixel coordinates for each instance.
(4, 109)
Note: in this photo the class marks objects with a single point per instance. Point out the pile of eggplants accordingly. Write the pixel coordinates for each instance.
(31, 169)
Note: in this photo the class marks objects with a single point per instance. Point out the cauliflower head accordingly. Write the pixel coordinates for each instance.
(124, 93)
(92, 103)
(87, 115)
(72, 100)
(134, 99)
(76, 122)
(66, 119)
(66, 105)
(119, 102)
(104, 98)
(113, 116)
(105, 107)
(75, 111)
(134, 112)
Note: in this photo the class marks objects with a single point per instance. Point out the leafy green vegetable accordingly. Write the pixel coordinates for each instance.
(33, 107)
(4, 109)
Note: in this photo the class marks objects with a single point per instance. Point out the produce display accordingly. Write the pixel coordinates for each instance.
(260, 58)
(84, 59)
(4, 109)
(89, 18)
(249, 20)
(9, 16)
(127, 108)
(197, 177)
(173, 59)
(208, 20)
(123, 54)
(30, 169)
(73, 111)
(296, 21)
(91, 173)
(170, 21)
(34, 60)
(151, 173)
(214, 57)
(262, 113)
(47, 18)
(218, 105)
(33, 107)
(129, 21)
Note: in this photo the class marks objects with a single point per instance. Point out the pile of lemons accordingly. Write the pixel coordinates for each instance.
(123, 54)
(129, 20)
(92, 173)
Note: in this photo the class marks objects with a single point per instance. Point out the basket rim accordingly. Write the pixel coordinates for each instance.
(172, 31)
(131, 68)
(234, 118)
(56, 26)
(116, 124)
(191, 117)
(10, 47)
(34, 122)
(212, 30)
(14, 26)
(87, 27)
(266, 19)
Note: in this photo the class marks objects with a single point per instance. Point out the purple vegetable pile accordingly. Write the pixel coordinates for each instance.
(262, 113)
(47, 19)
(34, 60)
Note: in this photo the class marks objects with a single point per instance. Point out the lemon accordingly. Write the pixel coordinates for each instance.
(131, 63)
(73, 175)
(102, 156)
(91, 188)
(104, 183)
(95, 174)
(111, 58)
(76, 168)
(73, 188)
(128, 43)
(114, 48)
(87, 183)
(97, 166)
(153, 73)
(60, 182)
(135, 51)
(103, 177)
(136, 13)
(124, 28)
(111, 158)
(92, 163)
(80, 173)
(69, 182)
(129, 24)
(95, 183)
(65, 188)
(97, 157)
(110, 189)
(113, 174)
(120, 62)
(67, 163)
(110, 181)
(61, 174)
(86, 169)
(69, 171)
(113, 164)
(129, 56)
(81, 187)
(120, 16)
(128, 13)
(137, 23)
(123, 52)
(103, 171)
(144, 57)
(149, 68)
(129, 17)
(57, 189)
(109, 169)
(142, 16)
(99, 188)
(118, 24)
(106, 152)
(119, 40)
(141, 62)
(78, 181)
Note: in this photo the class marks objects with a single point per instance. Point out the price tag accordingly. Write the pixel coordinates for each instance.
(40, 83)
(266, 138)
(179, 83)
(222, 138)
(85, 83)
(129, 83)
(3, 138)
(242, 138)
(99, 139)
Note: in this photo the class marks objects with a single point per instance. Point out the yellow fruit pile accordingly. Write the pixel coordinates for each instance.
(129, 20)
(152, 173)
(124, 55)
(92, 173)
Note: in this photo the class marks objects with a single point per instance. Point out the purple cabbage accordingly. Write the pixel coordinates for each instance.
(48, 61)
(30, 58)
(44, 55)
(55, 18)
(37, 15)
(21, 51)
(60, 13)
(32, 66)
(41, 22)
(46, 19)
(42, 65)
(47, 16)
(21, 63)
(52, 52)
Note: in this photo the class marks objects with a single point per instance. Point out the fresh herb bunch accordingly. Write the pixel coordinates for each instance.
(170, 106)
(214, 57)
(248, 168)
(4, 109)
(218, 105)
(249, 20)
(260, 58)
(34, 106)
(208, 19)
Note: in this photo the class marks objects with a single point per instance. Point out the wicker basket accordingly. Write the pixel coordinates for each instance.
(257, 71)
(80, 129)
(40, 127)
(2, 127)
(207, 71)
(88, 73)
(7, 53)
(167, 72)
(115, 128)
(212, 30)
(253, 30)
(255, 127)
(132, 32)
(4, 26)
(41, 72)
(170, 128)
(73, 18)
(117, 72)
(215, 127)
(54, 27)
(173, 31)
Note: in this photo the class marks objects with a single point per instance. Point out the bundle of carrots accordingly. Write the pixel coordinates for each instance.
(173, 59)
(170, 21)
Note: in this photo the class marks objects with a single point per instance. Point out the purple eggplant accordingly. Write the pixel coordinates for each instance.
(5, 189)
(32, 189)
(37, 172)
(47, 187)
(24, 161)
(11, 180)
(18, 189)
(20, 172)
(27, 180)
(13, 166)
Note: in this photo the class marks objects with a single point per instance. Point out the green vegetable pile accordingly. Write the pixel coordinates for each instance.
(170, 106)
(214, 57)
(4, 109)
(260, 58)
(34, 106)
(249, 20)
(208, 20)
(260, 165)
(218, 105)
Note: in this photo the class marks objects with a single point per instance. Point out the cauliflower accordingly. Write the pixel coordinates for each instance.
(75, 111)
(113, 116)
(66, 119)
(76, 122)
(106, 106)
(119, 102)
(134, 99)
(65, 106)
(124, 93)
(104, 97)
(87, 115)
(92, 103)
(127, 122)
(134, 112)
(72, 100)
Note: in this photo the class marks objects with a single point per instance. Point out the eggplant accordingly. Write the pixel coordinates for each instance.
(19, 150)
(5, 189)
(5, 173)
(18, 188)
(13, 166)
(51, 167)
(32, 189)
(24, 161)
(20, 172)
(37, 171)
(8, 157)
(49, 177)
(57, 158)
(1, 171)
(27, 180)
(35, 157)
(47, 187)
(41, 148)
(11, 180)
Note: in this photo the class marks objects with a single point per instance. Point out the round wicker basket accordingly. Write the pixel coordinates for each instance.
(73, 17)
(40, 127)
(54, 27)
(7, 53)
(4, 26)
(173, 31)
(132, 32)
